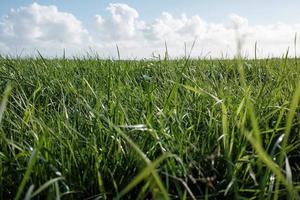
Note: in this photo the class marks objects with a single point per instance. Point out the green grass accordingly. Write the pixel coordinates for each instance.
(185, 129)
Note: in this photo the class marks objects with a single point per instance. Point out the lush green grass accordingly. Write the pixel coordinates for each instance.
(149, 129)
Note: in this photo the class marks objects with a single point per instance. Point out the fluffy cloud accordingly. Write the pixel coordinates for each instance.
(42, 28)
(167, 27)
(49, 30)
(238, 21)
(123, 23)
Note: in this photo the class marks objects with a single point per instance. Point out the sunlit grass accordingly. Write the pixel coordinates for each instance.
(186, 129)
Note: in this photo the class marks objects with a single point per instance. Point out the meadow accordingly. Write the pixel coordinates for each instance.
(150, 129)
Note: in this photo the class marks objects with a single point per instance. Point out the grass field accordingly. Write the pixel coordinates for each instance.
(178, 129)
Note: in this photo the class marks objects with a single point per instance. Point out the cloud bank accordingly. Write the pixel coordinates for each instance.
(50, 31)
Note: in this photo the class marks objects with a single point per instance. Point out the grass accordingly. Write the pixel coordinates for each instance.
(163, 129)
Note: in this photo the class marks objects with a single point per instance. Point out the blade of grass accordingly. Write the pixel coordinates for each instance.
(263, 155)
(46, 185)
(4, 101)
(28, 171)
(143, 174)
(143, 156)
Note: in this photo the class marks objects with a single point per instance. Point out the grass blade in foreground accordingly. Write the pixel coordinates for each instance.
(4, 101)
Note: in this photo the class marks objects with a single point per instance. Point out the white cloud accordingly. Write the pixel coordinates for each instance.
(50, 30)
(3, 48)
(167, 27)
(238, 21)
(122, 25)
(43, 28)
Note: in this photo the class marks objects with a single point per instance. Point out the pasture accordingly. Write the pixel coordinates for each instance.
(150, 129)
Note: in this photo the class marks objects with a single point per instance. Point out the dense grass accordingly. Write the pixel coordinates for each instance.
(187, 129)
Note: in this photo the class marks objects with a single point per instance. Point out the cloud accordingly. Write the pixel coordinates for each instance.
(49, 30)
(122, 25)
(43, 28)
(168, 27)
(238, 21)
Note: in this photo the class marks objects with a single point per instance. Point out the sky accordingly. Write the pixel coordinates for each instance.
(141, 28)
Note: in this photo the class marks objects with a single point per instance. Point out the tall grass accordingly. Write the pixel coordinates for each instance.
(170, 129)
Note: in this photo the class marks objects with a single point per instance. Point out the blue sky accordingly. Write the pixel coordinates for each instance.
(141, 27)
(257, 11)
